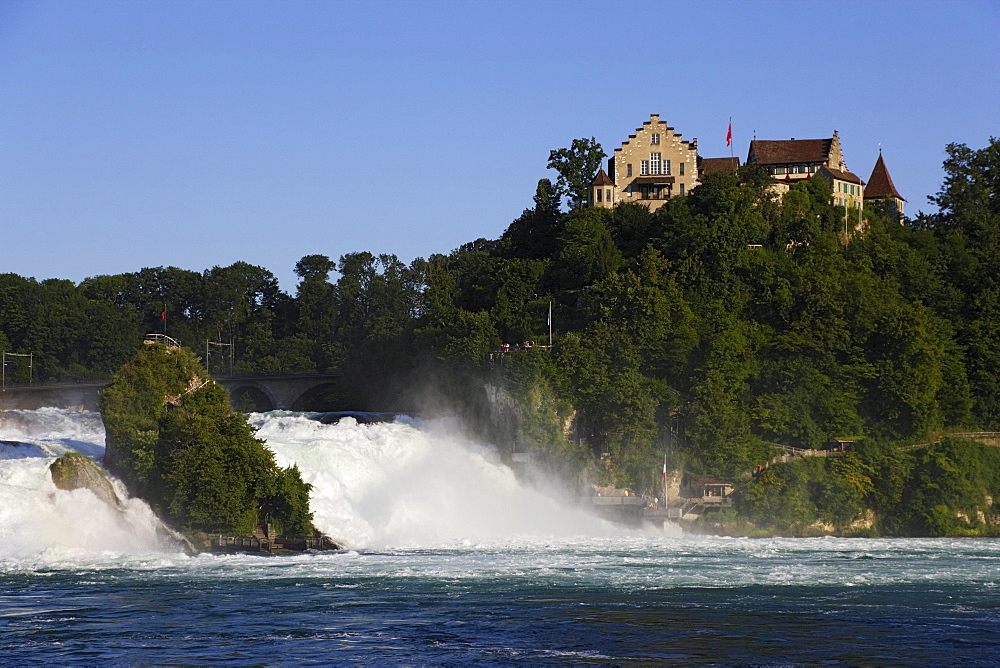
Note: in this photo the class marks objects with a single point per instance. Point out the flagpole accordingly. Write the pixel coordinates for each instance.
(550, 323)
(666, 504)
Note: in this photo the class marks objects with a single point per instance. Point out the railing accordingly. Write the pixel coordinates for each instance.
(162, 338)
(248, 544)
(987, 437)
(617, 501)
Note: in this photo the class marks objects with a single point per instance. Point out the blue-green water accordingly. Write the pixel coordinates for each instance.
(80, 584)
(586, 600)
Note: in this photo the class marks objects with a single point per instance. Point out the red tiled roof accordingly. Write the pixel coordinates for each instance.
(850, 177)
(880, 184)
(602, 179)
(789, 151)
(712, 165)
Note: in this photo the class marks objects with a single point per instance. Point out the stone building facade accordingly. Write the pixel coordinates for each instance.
(652, 166)
(848, 189)
(791, 160)
(656, 163)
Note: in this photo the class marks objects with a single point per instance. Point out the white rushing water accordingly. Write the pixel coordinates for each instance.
(40, 521)
(406, 484)
(414, 500)
(414, 483)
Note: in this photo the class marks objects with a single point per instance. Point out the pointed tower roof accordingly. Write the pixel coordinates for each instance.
(880, 184)
(602, 179)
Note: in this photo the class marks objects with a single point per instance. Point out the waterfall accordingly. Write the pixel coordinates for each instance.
(413, 483)
(381, 485)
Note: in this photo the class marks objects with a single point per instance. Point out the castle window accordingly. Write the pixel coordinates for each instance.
(599, 192)
(644, 167)
(628, 169)
(681, 168)
(607, 195)
(682, 187)
(654, 138)
(654, 163)
(666, 167)
(779, 170)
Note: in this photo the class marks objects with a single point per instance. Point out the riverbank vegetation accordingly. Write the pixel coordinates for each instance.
(725, 322)
(878, 489)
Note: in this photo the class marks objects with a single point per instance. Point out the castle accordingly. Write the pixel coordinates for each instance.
(656, 163)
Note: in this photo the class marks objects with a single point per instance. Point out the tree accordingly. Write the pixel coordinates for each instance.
(533, 235)
(577, 166)
(968, 228)
(586, 251)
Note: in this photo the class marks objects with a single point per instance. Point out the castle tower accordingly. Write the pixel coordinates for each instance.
(881, 189)
(602, 190)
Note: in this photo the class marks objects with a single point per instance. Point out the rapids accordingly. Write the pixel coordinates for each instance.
(453, 561)
(408, 483)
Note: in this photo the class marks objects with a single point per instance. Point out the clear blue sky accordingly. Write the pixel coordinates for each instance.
(194, 134)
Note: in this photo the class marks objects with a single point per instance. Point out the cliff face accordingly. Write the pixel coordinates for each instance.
(506, 418)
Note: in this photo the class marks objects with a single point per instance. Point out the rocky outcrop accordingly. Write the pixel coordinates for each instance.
(75, 471)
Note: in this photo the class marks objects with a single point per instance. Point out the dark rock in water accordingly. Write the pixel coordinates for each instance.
(73, 471)
(362, 417)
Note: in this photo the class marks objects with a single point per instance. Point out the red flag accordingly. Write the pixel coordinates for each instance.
(729, 134)
(163, 316)
(664, 467)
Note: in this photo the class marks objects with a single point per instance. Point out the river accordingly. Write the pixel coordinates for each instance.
(451, 560)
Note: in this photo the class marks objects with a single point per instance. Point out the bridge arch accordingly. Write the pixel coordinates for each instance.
(316, 398)
(252, 398)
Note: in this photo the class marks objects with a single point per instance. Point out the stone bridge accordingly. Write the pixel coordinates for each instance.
(261, 392)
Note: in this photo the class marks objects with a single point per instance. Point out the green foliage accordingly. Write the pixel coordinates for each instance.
(586, 251)
(175, 442)
(577, 166)
(728, 320)
(946, 489)
(952, 488)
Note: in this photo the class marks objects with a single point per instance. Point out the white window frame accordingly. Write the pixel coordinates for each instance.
(644, 168)
(655, 162)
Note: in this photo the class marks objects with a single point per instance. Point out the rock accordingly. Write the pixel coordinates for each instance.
(73, 471)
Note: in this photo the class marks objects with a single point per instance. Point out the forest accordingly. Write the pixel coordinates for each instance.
(726, 322)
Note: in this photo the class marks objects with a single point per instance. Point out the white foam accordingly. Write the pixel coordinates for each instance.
(414, 484)
(45, 525)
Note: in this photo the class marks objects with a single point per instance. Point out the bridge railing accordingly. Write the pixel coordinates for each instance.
(162, 338)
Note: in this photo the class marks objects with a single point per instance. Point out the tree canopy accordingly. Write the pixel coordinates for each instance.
(725, 322)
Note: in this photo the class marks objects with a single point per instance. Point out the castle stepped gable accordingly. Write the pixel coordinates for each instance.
(880, 184)
(653, 165)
